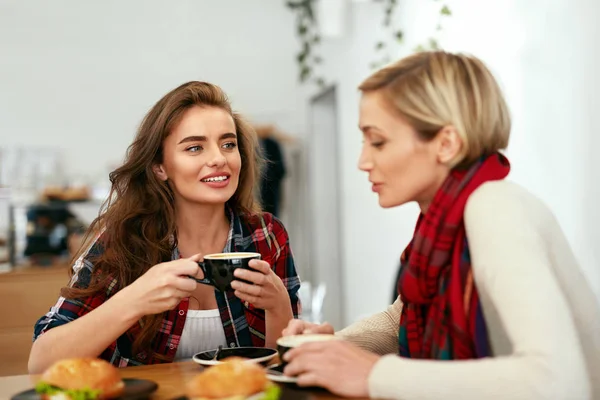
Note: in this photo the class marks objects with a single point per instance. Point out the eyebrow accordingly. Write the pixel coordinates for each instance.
(228, 135)
(366, 128)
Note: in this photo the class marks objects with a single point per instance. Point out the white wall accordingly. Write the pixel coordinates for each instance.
(541, 56)
(81, 74)
(372, 238)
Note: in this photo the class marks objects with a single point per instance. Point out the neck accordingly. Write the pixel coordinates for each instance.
(200, 224)
(428, 195)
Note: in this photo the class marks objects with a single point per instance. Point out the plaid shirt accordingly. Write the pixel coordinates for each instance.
(243, 324)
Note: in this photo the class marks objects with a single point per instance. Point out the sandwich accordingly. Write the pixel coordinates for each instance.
(233, 379)
(80, 379)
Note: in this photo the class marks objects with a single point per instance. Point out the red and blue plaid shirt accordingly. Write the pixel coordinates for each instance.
(243, 324)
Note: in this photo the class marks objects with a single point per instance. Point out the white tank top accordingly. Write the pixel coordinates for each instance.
(203, 330)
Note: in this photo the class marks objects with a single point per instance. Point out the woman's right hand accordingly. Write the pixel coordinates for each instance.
(299, 327)
(163, 286)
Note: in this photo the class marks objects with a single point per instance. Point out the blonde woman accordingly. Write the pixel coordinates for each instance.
(492, 304)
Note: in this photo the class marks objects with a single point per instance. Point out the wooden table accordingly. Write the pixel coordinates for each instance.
(171, 380)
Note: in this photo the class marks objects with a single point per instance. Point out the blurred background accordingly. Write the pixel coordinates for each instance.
(76, 78)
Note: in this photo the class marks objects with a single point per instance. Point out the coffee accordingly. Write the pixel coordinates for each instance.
(285, 343)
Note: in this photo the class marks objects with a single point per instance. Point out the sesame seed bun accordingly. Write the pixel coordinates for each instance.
(85, 373)
(232, 378)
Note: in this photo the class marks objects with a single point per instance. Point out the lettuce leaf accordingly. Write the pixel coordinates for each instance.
(272, 393)
(81, 394)
(45, 388)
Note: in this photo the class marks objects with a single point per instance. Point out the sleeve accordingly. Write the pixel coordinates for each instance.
(283, 263)
(378, 333)
(512, 269)
(66, 310)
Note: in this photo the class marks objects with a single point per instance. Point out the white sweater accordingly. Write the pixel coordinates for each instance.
(542, 317)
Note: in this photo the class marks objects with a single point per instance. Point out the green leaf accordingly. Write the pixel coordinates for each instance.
(445, 11)
(272, 393)
(433, 44)
(419, 49)
(302, 29)
(316, 39)
(293, 4)
(305, 72)
(310, 13)
(82, 394)
(301, 57)
(374, 65)
(399, 36)
(45, 388)
(379, 45)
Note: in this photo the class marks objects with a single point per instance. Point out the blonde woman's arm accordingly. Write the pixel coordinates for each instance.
(377, 333)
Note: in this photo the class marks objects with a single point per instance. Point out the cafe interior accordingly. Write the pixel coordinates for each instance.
(77, 78)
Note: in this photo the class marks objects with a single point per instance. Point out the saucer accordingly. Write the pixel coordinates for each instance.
(257, 355)
(275, 374)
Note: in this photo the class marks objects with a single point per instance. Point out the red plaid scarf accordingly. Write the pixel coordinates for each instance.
(441, 315)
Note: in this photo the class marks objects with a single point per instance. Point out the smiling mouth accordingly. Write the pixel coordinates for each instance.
(215, 179)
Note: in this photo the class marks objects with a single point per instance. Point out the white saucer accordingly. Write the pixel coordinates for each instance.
(253, 354)
(275, 374)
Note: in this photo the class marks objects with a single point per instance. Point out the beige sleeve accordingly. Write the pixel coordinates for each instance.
(511, 265)
(377, 333)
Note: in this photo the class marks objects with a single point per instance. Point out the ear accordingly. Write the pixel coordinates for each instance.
(160, 172)
(449, 145)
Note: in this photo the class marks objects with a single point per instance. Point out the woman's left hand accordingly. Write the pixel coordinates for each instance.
(338, 366)
(267, 291)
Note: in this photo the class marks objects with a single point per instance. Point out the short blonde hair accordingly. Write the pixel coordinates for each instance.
(436, 89)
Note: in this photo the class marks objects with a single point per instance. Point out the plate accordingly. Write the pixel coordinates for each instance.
(256, 396)
(254, 354)
(287, 393)
(135, 389)
(275, 374)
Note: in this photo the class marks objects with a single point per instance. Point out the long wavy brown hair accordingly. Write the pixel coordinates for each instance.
(137, 222)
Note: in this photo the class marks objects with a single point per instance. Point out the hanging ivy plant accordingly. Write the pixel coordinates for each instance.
(394, 35)
(432, 42)
(307, 30)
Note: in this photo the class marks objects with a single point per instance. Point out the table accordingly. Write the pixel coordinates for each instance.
(171, 379)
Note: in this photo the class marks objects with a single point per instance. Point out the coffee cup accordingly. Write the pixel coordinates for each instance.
(286, 343)
(218, 268)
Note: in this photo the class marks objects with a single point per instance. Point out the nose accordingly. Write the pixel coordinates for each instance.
(364, 161)
(217, 158)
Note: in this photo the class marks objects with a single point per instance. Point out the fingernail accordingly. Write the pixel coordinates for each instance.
(286, 357)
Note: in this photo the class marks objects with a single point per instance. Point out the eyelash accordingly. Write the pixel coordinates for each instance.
(232, 145)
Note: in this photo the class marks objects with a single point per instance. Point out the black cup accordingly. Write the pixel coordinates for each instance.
(286, 343)
(218, 268)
